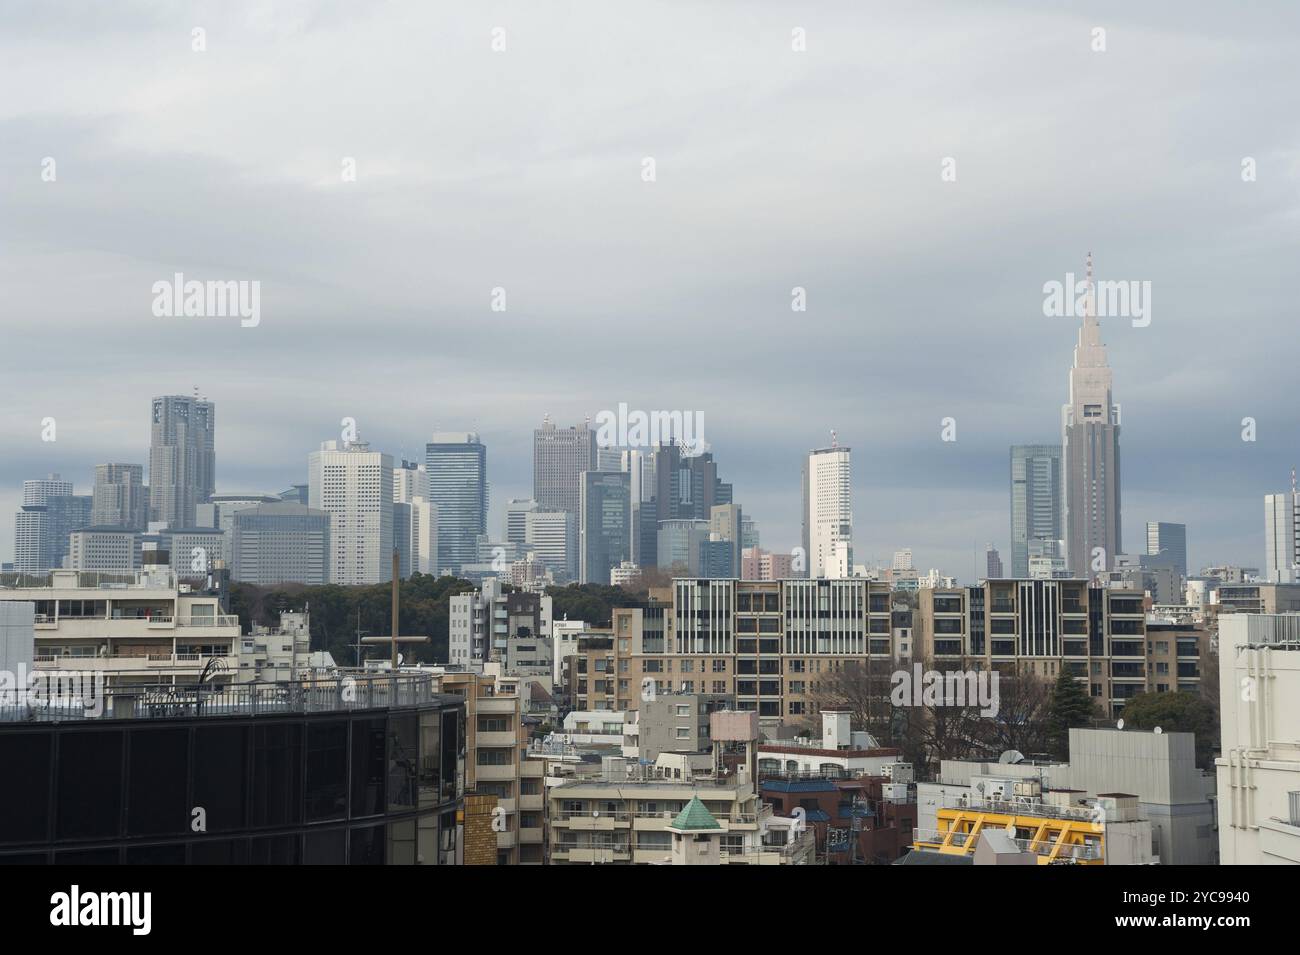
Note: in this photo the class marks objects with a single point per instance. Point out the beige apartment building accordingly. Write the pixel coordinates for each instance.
(496, 764)
(1041, 626)
(627, 822)
(768, 643)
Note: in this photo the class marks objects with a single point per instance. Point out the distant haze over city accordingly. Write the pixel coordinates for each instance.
(523, 171)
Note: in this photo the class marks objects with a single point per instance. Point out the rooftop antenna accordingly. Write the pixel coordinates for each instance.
(1092, 311)
(835, 441)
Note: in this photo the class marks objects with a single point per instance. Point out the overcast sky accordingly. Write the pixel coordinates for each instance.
(522, 169)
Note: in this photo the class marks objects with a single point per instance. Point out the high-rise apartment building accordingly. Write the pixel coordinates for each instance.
(605, 525)
(182, 458)
(560, 456)
(1090, 449)
(457, 465)
(120, 498)
(354, 485)
(828, 512)
(1036, 510)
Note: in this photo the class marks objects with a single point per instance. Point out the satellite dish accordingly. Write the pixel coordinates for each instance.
(1011, 756)
(1119, 725)
(1158, 731)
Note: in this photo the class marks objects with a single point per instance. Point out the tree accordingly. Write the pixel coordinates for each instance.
(1021, 720)
(591, 603)
(1068, 706)
(1179, 712)
(863, 689)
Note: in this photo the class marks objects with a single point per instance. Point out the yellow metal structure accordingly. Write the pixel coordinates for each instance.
(1055, 841)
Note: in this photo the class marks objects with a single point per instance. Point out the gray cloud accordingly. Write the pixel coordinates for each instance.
(522, 169)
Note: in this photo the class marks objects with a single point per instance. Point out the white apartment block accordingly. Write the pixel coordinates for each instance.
(150, 631)
(354, 485)
(1259, 771)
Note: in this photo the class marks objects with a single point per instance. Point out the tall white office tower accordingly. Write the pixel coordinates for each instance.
(457, 466)
(1282, 536)
(552, 536)
(182, 458)
(560, 456)
(120, 498)
(1090, 442)
(354, 485)
(828, 511)
(415, 520)
(517, 511)
(44, 524)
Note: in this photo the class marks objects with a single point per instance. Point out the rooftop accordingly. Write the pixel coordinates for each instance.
(695, 816)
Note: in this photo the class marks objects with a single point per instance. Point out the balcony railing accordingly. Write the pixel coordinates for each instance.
(167, 701)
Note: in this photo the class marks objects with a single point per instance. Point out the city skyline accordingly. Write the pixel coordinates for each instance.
(700, 261)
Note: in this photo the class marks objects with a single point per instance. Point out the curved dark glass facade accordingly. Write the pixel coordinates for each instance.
(222, 783)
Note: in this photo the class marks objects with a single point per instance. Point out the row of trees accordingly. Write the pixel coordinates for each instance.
(1034, 715)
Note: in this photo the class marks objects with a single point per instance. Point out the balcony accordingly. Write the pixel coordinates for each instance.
(533, 802)
(586, 822)
(506, 840)
(496, 773)
(594, 855)
(496, 738)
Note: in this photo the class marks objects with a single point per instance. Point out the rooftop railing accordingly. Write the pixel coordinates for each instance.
(165, 701)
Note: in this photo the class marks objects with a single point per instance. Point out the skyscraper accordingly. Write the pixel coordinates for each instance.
(354, 485)
(457, 466)
(1036, 511)
(605, 529)
(120, 498)
(560, 456)
(283, 542)
(992, 563)
(552, 536)
(1167, 546)
(828, 511)
(1090, 430)
(50, 512)
(1282, 536)
(182, 458)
